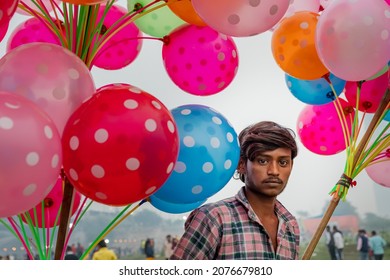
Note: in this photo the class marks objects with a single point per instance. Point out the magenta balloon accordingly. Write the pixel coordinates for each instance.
(122, 48)
(241, 18)
(31, 154)
(7, 10)
(200, 60)
(53, 77)
(353, 38)
(371, 93)
(379, 171)
(30, 31)
(319, 127)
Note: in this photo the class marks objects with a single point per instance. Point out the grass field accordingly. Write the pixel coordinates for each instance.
(350, 253)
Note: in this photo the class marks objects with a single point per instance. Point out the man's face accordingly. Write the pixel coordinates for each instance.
(268, 173)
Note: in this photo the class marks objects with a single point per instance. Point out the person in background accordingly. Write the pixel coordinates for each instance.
(69, 255)
(168, 246)
(330, 243)
(338, 242)
(103, 253)
(363, 245)
(253, 224)
(149, 249)
(377, 245)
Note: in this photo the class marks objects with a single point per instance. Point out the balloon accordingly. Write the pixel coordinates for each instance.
(293, 46)
(53, 77)
(174, 208)
(370, 95)
(47, 4)
(30, 154)
(315, 92)
(352, 38)
(379, 171)
(241, 18)
(320, 130)
(199, 60)
(298, 6)
(7, 10)
(122, 48)
(185, 11)
(52, 205)
(158, 23)
(29, 31)
(120, 145)
(208, 155)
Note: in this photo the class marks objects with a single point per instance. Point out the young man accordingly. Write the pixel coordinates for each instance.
(253, 224)
(103, 253)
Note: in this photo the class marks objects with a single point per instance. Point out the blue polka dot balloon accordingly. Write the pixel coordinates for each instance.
(208, 155)
(174, 208)
(315, 92)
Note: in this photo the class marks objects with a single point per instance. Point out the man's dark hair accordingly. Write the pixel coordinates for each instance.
(265, 136)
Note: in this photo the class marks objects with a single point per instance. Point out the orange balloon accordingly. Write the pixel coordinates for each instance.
(84, 2)
(293, 46)
(184, 10)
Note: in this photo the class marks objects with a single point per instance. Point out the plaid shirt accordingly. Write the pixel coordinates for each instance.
(230, 230)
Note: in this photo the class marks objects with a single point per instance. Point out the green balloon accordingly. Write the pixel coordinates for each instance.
(158, 23)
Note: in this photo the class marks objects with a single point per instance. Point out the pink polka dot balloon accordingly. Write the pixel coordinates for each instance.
(320, 130)
(29, 31)
(199, 60)
(122, 48)
(371, 93)
(241, 18)
(51, 208)
(30, 154)
(379, 170)
(53, 77)
(120, 146)
(354, 45)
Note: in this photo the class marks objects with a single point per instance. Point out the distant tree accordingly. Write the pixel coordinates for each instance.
(303, 214)
(374, 222)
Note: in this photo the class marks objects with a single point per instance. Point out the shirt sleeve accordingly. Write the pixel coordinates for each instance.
(201, 238)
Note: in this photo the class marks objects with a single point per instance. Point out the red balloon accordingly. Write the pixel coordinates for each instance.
(52, 203)
(120, 146)
(7, 10)
(371, 93)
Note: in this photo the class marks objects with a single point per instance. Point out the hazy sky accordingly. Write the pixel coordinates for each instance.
(258, 92)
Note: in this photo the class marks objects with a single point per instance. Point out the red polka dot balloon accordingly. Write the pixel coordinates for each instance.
(120, 146)
(200, 60)
(320, 130)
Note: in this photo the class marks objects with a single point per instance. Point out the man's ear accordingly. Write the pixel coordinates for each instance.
(241, 166)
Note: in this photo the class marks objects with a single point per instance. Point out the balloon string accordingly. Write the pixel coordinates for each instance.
(28, 250)
(110, 227)
(125, 20)
(71, 229)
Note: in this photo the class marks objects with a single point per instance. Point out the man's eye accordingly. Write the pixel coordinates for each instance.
(283, 162)
(262, 161)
